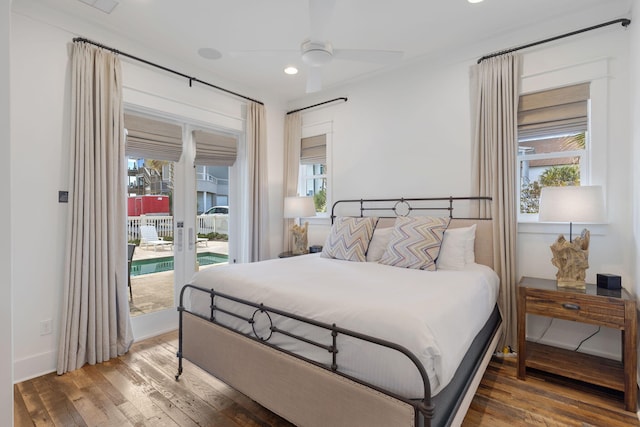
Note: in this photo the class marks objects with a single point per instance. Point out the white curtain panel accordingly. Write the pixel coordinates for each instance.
(495, 87)
(95, 323)
(292, 138)
(258, 208)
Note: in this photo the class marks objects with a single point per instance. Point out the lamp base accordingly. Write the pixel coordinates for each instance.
(571, 284)
(572, 260)
(300, 245)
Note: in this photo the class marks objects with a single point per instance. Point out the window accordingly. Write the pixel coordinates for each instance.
(215, 154)
(553, 142)
(313, 170)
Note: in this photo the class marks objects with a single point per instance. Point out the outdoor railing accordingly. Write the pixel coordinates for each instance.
(205, 224)
(217, 223)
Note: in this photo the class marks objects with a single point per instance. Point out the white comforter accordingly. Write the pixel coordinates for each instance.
(435, 315)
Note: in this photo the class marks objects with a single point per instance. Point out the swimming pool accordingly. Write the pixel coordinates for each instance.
(157, 265)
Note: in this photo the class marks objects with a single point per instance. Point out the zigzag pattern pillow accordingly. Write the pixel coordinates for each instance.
(349, 239)
(415, 242)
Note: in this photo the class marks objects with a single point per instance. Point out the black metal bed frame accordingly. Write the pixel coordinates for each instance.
(402, 206)
(423, 406)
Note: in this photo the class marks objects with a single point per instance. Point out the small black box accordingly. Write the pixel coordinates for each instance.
(315, 249)
(609, 281)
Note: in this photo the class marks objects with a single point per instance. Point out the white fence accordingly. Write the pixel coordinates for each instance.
(217, 223)
(205, 224)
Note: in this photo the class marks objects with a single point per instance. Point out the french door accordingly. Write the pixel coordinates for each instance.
(170, 219)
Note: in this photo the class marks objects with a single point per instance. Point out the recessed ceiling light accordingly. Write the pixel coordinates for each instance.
(291, 70)
(474, 1)
(209, 53)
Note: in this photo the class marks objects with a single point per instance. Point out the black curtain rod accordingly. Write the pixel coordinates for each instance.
(625, 23)
(317, 105)
(169, 70)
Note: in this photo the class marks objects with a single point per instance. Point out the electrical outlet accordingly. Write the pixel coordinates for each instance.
(46, 327)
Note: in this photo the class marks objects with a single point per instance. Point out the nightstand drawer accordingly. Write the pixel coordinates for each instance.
(579, 308)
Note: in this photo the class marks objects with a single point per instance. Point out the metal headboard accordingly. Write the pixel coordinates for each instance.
(389, 208)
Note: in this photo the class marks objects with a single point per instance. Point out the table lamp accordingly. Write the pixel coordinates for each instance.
(580, 204)
(299, 207)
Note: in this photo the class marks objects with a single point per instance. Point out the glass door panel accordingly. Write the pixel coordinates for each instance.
(212, 220)
(150, 225)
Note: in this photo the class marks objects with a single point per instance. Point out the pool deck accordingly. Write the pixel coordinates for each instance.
(160, 252)
(155, 291)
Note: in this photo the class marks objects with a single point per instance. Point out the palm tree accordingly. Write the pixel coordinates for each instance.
(574, 142)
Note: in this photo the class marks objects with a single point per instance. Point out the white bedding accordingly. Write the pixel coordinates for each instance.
(435, 315)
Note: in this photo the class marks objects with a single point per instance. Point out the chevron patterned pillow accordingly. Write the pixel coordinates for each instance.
(415, 242)
(349, 238)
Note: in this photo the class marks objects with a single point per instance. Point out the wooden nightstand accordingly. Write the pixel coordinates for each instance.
(596, 306)
(288, 254)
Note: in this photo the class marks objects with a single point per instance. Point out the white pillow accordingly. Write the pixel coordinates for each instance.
(469, 248)
(457, 248)
(378, 243)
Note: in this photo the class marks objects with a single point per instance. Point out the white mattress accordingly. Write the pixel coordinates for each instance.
(435, 315)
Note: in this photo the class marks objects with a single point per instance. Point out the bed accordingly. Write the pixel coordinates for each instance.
(324, 339)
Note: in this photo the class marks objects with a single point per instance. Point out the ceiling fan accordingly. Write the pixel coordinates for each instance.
(317, 52)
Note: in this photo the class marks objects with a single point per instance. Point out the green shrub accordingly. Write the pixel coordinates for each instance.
(320, 200)
(555, 176)
(215, 236)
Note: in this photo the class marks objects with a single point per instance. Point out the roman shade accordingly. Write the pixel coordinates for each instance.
(313, 150)
(213, 149)
(554, 112)
(152, 139)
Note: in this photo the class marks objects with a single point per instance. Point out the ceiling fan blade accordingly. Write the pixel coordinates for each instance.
(314, 79)
(320, 12)
(282, 53)
(363, 55)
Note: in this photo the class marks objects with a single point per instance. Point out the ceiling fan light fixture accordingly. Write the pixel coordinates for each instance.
(316, 54)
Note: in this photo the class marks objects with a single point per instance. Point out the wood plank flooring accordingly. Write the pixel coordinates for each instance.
(139, 389)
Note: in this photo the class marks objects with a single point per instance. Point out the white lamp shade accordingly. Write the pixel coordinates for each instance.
(299, 207)
(583, 204)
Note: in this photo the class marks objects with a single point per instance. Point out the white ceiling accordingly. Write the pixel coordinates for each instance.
(419, 28)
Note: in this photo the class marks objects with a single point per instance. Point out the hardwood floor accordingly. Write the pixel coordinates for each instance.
(139, 389)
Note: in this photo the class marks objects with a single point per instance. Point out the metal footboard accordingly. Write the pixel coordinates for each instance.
(424, 406)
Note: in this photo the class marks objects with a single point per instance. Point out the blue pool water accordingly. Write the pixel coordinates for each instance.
(157, 265)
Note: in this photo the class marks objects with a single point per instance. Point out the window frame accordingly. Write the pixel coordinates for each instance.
(595, 162)
(311, 130)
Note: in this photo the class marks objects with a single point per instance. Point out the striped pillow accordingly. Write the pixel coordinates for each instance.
(349, 239)
(415, 242)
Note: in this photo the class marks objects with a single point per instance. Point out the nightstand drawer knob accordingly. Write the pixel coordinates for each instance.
(570, 306)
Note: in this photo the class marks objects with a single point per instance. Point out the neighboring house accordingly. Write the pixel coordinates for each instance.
(147, 180)
(212, 185)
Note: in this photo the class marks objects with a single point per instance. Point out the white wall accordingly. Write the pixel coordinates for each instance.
(39, 158)
(407, 133)
(634, 104)
(6, 319)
